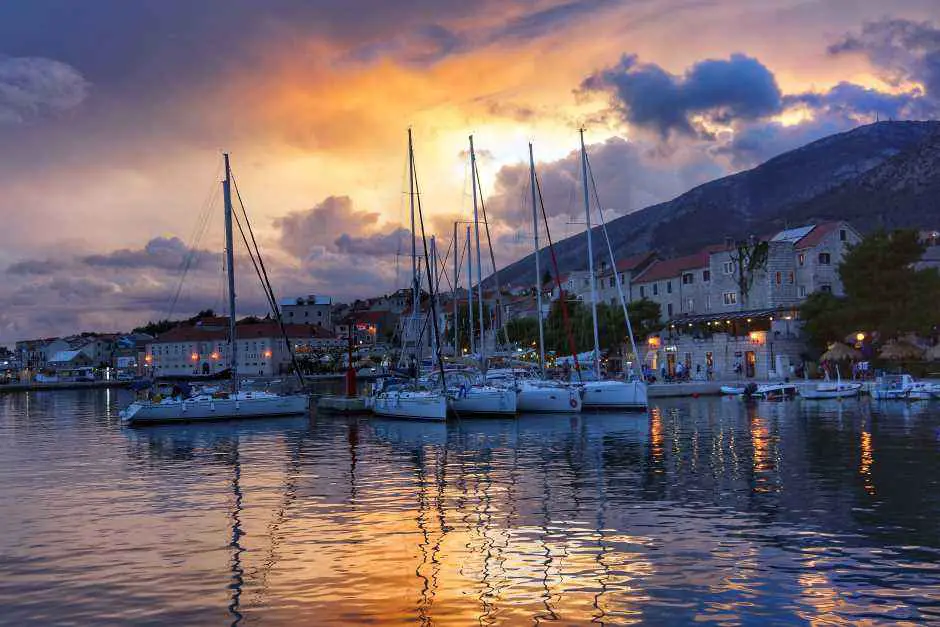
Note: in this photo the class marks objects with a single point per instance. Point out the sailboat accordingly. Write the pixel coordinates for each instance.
(213, 406)
(605, 393)
(470, 393)
(414, 399)
(827, 389)
(538, 394)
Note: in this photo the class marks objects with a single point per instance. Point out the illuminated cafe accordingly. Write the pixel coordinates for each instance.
(764, 344)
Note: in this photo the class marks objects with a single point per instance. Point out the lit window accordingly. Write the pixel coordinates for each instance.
(801, 258)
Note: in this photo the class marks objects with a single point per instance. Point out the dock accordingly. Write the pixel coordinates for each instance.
(342, 404)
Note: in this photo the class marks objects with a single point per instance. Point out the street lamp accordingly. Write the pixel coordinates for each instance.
(859, 337)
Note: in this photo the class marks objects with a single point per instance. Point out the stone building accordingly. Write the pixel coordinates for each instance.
(627, 271)
(679, 285)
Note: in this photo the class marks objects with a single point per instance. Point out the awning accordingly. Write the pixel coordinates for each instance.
(733, 316)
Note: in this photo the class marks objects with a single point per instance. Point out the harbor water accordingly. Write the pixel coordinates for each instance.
(704, 510)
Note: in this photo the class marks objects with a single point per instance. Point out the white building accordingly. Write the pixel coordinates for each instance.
(313, 309)
(203, 348)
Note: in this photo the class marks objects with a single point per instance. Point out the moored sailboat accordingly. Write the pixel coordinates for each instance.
(213, 406)
(606, 393)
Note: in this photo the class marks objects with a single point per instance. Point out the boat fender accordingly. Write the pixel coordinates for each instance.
(573, 403)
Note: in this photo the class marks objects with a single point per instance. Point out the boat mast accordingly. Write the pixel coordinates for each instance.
(456, 272)
(230, 271)
(590, 247)
(415, 284)
(470, 291)
(476, 226)
(433, 287)
(538, 271)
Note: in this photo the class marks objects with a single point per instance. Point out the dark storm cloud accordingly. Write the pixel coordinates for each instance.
(755, 143)
(725, 90)
(163, 253)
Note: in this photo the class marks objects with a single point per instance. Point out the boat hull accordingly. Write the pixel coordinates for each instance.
(817, 394)
(488, 401)
(534, 398)
(410, 405)
(615, 395)
(205, 409)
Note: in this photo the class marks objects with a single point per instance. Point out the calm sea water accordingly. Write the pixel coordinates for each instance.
(704, 510)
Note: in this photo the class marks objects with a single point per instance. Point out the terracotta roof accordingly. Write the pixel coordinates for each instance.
(631, 263)
(672, 268)
(817, 235)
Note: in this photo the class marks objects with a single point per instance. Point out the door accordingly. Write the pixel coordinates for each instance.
(671, 364)
(750, 364)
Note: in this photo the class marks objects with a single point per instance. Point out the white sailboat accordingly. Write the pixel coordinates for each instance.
(541, 395)
(236, 404)
(411, 399)
(598, 393)
(468, 392)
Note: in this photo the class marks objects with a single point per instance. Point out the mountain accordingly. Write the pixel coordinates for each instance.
(883, 174)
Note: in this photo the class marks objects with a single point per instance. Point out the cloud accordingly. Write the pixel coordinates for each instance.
(721, 90)
(378, 244)
(164, 253)
(302, 231)
(31, 87)
(36, 267)
(902, 52)
(755, 143)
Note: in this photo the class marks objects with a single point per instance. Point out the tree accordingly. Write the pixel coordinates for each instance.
(825, 319)
(525, 331)
(884, 292)
(645, 317)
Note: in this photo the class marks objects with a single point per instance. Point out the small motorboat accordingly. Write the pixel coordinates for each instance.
(775, 391)
(902, 387)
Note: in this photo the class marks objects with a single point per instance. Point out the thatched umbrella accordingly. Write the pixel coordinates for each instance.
(897, 350)
(840, 352)
(933, 353)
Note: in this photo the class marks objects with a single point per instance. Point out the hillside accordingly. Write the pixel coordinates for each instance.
(883, 174)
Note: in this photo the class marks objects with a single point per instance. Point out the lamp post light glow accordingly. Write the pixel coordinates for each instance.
(859, 337)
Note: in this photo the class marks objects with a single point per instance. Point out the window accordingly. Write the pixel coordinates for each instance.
(825, 287)
(708, 302)
(790, 277)
(306, 313)
(779, 278)
(655, 289)
(801, 258)
(688, 278)
(730, 298)
(824, 259)
(669, 310)
(842, 235)
(727, 267)
(690, 305)
(802, 291)
(669, 287)
(642, 291)
(706, 275)
(612, 281)
(623, 279)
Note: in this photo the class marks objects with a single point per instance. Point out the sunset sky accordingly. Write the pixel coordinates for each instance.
(114, 115)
